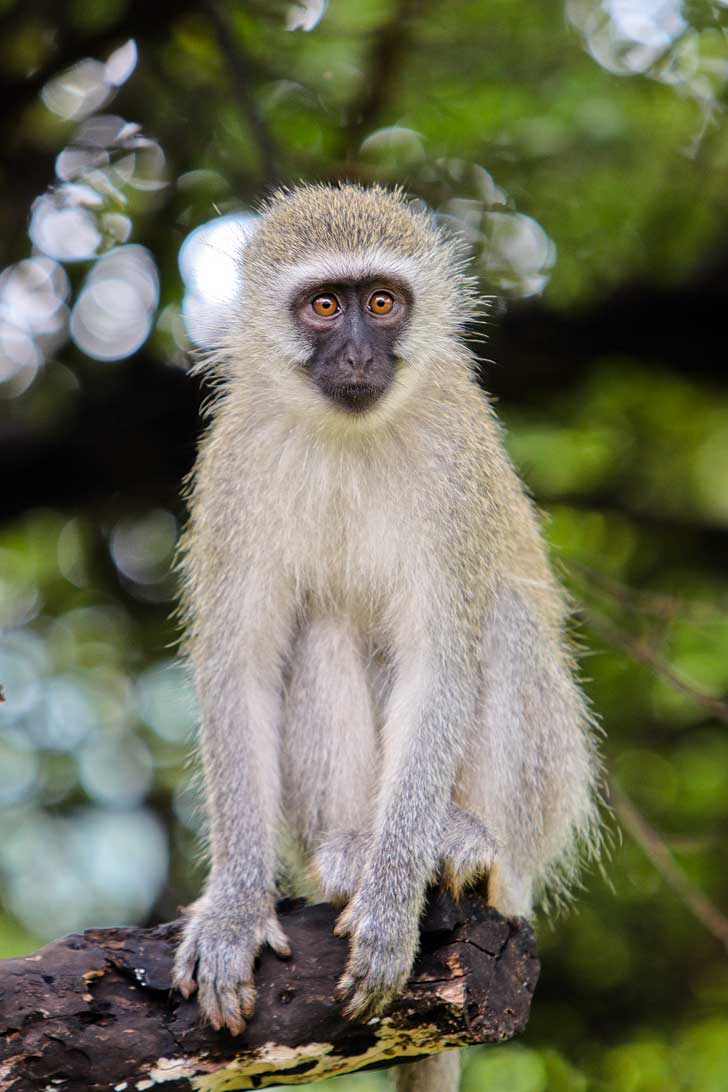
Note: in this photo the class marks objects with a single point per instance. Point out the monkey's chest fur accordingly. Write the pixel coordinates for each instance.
(352, 541)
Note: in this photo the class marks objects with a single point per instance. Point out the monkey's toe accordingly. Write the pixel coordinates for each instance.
(361, 998)
(223, 1007)
(276, 939)
(469, 851)
(338, 865)
(226, 998)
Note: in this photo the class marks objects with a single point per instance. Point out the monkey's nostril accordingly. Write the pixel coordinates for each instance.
(358, 364)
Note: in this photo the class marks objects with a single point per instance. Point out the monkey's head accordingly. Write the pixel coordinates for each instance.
(350, 297)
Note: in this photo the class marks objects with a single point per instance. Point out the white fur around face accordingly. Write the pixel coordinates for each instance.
(371, 264)
(267, 350)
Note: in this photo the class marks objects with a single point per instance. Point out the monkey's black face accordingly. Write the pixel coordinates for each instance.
(353, 329)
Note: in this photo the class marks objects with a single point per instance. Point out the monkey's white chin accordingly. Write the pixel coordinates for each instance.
(383, 411)
(356, 400)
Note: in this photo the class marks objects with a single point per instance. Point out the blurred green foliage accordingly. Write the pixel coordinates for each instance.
(581, 148)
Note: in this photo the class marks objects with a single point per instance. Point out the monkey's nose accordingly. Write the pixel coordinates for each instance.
(356, 373)
(357, 364)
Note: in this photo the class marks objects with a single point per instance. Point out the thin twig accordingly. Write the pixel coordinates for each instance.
(389, 45)
(598, 584)
(239, 70)
(645, 654)
(659, 854)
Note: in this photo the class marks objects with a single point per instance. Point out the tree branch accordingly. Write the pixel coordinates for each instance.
(642, 652)
(239, 72)
(94, 1012)
(388, 50)
(674, 876)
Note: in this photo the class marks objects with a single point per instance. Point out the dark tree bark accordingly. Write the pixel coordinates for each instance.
(95, 1011)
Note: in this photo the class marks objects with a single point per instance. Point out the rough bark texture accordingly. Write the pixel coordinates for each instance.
(95, 1011)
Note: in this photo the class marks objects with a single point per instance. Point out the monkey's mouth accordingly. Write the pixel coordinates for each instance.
(354, 397)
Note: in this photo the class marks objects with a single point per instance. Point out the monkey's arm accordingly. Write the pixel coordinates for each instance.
(430, 707)
(236, 646)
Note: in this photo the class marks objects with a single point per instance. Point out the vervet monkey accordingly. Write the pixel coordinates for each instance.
(375, 632)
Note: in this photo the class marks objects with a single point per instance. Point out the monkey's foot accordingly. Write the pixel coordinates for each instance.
(469, 851)
(339, 865)
(467, 856)
(217, 952)
(383, 948)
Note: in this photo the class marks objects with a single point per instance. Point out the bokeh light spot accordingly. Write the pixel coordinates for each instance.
(114, 312)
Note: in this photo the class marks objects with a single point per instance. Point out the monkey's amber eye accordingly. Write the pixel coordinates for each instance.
(325, 305)
(381, 303)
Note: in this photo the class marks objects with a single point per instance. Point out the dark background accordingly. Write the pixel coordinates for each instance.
(582, 148)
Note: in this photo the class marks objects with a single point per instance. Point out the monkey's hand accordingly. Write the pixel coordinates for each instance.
(466, 857)
(222, 936)
(384, 939)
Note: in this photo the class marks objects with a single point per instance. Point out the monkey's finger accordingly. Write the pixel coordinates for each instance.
(233, 1017)
(221, 1008)
(358, 1008)
(184, 968)
(186, 987)
(365, 1002)
(210, 1005)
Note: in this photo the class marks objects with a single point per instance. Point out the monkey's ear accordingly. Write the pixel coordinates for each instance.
(210, 261)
